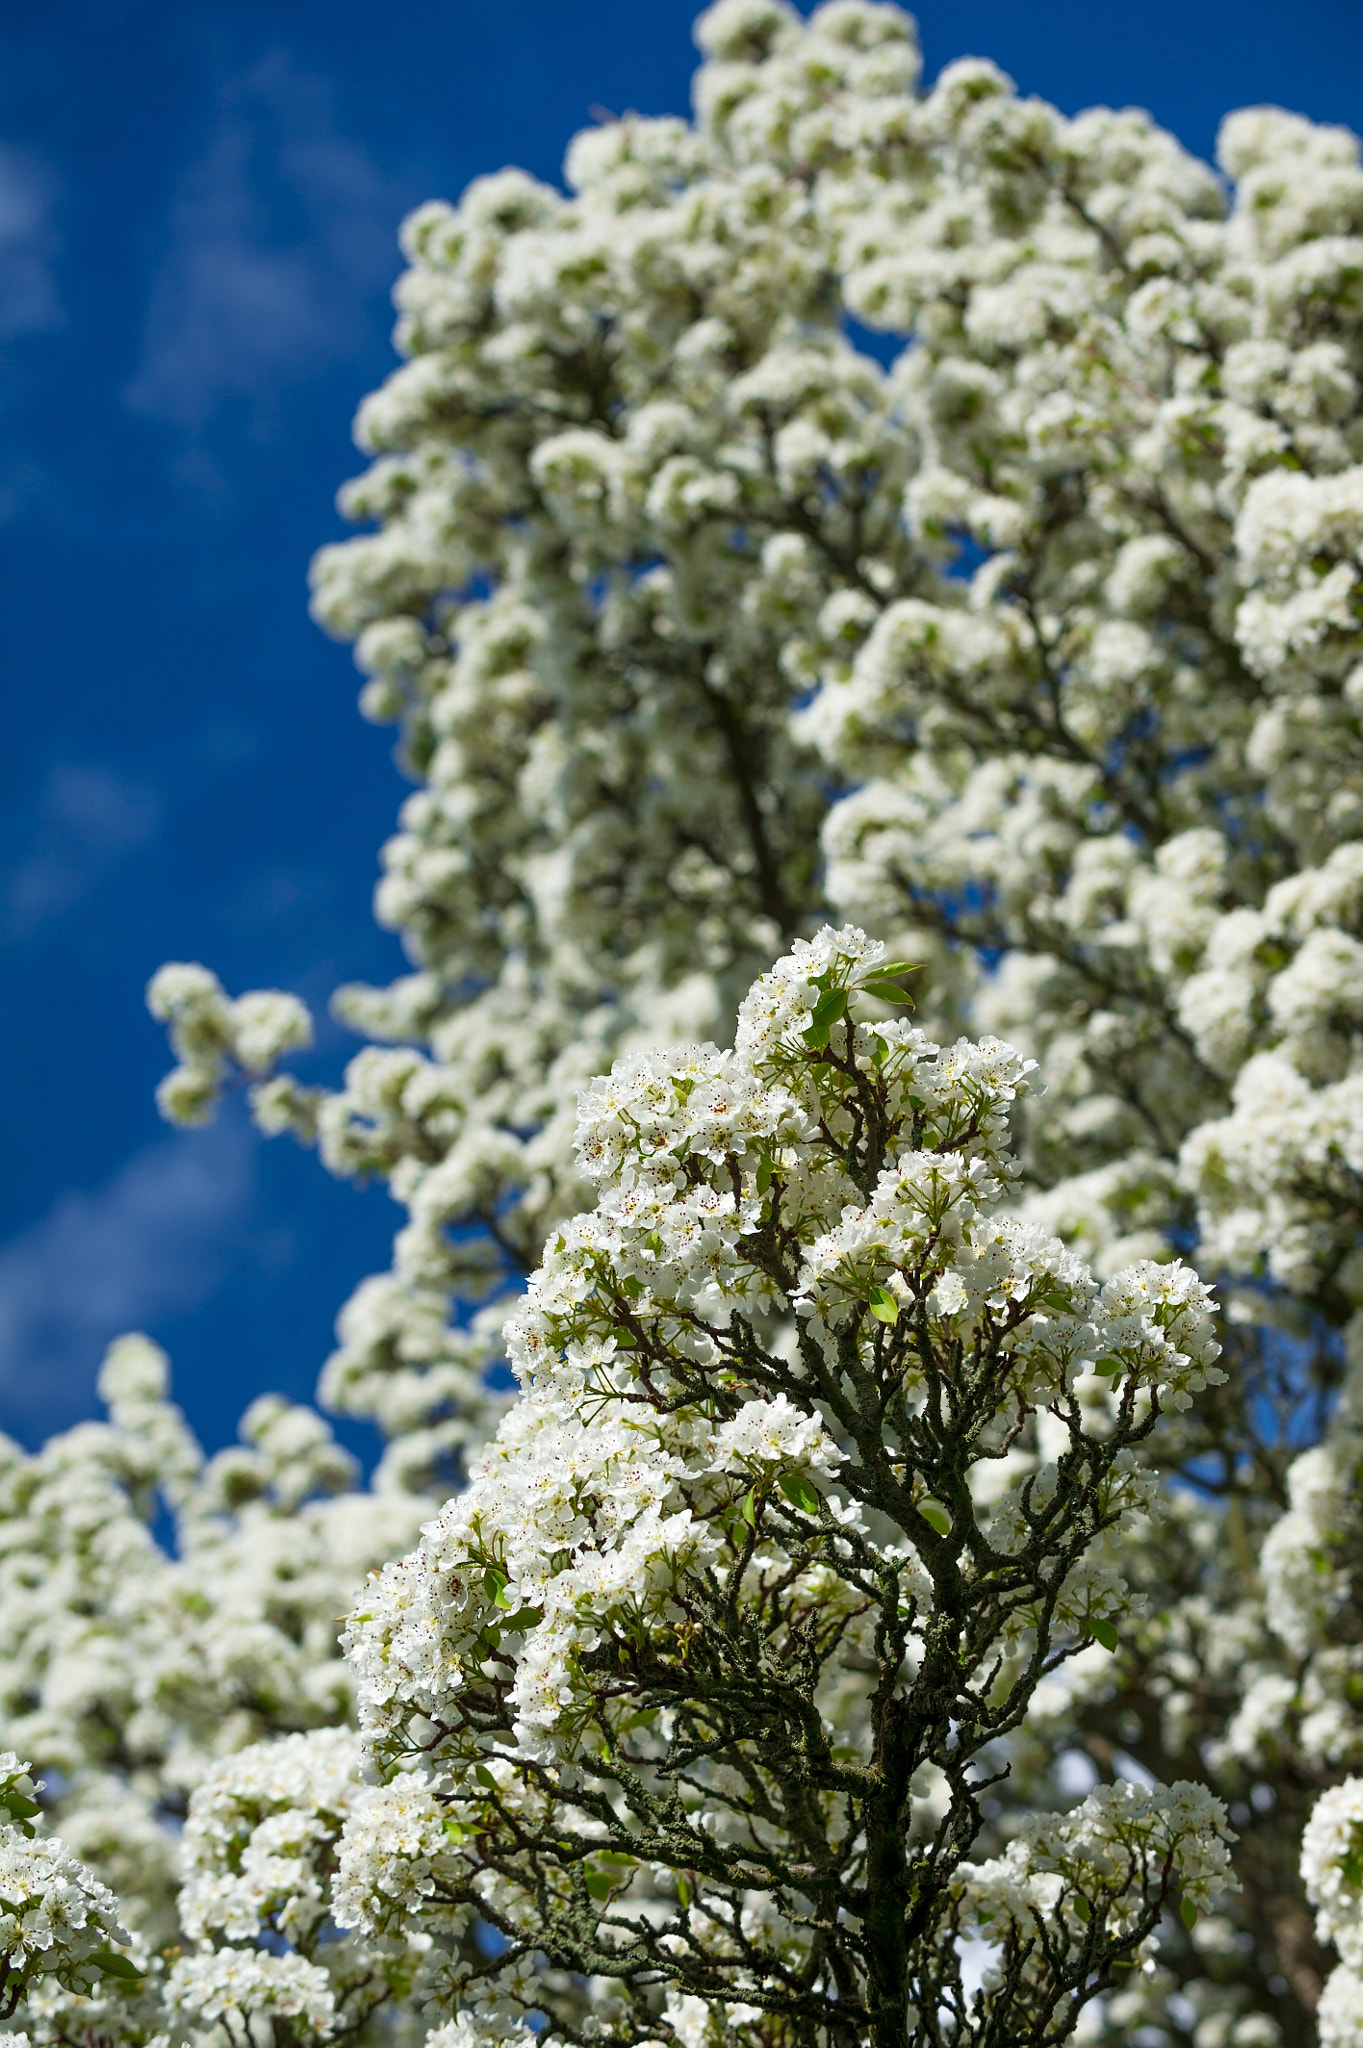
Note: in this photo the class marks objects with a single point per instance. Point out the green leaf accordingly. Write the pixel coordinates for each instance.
(883, 1305)
(599, 1884)
(750, 1507)
(454, 1829)
(494, 1585)
(632, 1287)
(1108, 1367)
(1082, 1907)
(115, 1965)
(21, 1808)
(1187, 1913)
(485, 1777)
(890, 970)
(799, 1492)
(525, 1617)
(683, 1891)
(831, 1005)
(887, 991)
(765, 1170)
(1103, 1632)
(936, 1517)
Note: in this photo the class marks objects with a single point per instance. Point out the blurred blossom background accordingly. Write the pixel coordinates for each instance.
(198, 215)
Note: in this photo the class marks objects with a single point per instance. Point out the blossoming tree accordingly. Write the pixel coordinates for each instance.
(706, 1673)
(920, 509)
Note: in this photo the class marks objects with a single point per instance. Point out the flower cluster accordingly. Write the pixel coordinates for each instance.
(265, 1892)
(131, 1668)
(58, 1920)
(1332, 1872)
(1332, 1868)
(1064, 1877)
(252, 1989)
(257, 1840)
(211, 1035)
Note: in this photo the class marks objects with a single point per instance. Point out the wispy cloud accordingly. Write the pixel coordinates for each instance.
(85, 821)
(28, 295)
(156, 1238)
(277, 237)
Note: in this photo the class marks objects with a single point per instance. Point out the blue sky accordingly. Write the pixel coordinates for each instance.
(198, 206)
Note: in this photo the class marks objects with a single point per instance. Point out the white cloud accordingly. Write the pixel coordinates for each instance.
(85, 821)
(28, 297)
(278, 235)
(156, 1238)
